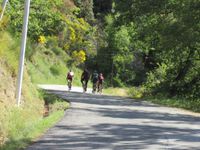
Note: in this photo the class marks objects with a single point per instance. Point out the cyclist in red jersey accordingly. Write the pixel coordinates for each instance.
(70, 76)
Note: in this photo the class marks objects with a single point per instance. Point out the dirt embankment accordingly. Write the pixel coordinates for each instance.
(7, 97)
(7, 86)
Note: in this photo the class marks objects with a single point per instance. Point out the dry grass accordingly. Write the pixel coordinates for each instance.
(13, 119)
(116, 92)
(69, 3)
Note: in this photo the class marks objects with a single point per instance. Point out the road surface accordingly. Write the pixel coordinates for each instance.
(97, 122)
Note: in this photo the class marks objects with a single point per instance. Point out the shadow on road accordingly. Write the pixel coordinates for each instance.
(120, 136)
(135, 125)
(125, 113)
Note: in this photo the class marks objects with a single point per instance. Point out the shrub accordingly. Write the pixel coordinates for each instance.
(156, 77)
(117, 82)
(9, 51)
(52, 41)
(57, 50)
(55, 70)
(54, 102)
(136, 92)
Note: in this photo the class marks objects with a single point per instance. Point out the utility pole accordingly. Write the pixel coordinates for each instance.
(22, 53)
(3, 8)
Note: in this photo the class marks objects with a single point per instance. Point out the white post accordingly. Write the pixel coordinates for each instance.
(22, 53)
(3, 8)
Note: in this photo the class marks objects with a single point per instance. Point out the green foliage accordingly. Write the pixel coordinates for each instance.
(117, 82)
(55, 103)
(118, 53)
(86, 10)
(157, 77)
(78, 35)
(53, 44)
(136, 92)
(42, 62)
(52, 41)
(9, 52)
(122, 57)
(52, 29)
(47, 67)
(193, 105)
(45, 17)
(13, 130)
(31, 131)
(17, 133)
(161, 40)
(45, 61)
(57, 50)
(122, 40)
(55, 70)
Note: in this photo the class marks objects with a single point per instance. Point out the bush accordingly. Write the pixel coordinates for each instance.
(156, 78)
(45, 17)
(55, 70)
(52, 41)
(9, 51)
(117, 82)
(54, 102)
(136, 92)
(57, 50)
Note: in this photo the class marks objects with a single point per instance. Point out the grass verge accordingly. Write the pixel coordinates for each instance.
(187, 104)
(24, 130)
(192, 105)
(32, 132)
(116, 92)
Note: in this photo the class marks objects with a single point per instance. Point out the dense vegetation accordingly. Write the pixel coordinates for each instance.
(18, 126)
(48, 52)
(152, 46)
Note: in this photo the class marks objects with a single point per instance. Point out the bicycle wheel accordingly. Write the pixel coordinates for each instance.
(69, 85)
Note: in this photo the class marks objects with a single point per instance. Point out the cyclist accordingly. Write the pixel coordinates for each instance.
(70, 76)
(84, 79)
(100, 83)
(95, 77)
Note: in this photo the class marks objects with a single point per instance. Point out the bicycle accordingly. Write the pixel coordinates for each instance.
(69, 84)
(84, 85)
(94, 88)
(100, 88)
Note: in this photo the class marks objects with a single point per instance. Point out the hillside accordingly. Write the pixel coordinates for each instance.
(149, 48)
(11, 118)
(46, 62)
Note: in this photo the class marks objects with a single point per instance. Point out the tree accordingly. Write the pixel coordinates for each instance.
(45, 17)
(165, 33)
(86, 7)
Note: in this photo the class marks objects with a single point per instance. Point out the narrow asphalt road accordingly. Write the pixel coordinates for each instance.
(116, 123)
